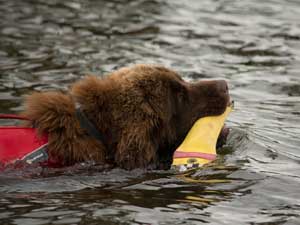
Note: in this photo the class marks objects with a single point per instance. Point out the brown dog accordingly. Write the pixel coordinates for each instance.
(141, 113)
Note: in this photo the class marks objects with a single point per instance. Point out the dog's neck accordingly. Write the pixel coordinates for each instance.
(88, 125)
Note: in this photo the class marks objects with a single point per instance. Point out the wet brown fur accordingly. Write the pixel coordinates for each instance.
(143, 111)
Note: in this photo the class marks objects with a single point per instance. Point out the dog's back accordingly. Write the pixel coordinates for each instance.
(54, 113)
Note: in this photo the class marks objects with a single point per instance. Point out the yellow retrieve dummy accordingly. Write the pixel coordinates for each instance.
(199, 146)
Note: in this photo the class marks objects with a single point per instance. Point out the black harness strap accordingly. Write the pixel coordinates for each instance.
(89, 126)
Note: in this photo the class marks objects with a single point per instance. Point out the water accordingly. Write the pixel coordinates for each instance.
(255, 45)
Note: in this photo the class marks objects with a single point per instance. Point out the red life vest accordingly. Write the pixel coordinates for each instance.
(22, 144)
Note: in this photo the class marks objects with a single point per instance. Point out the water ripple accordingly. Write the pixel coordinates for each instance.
(254, 45)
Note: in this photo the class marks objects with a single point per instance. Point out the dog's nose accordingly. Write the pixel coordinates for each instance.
(223, 89)
(222, 86)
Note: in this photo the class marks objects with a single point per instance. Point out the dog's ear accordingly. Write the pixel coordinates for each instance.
(92, 91)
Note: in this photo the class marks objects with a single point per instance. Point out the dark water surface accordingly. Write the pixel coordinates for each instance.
(253, 44)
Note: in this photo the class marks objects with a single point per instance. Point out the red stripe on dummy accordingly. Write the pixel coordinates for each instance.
(207, 156)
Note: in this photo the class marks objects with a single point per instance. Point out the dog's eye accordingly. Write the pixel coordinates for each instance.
(181, 96)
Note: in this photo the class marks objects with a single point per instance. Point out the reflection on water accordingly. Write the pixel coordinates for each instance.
(255, 45)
